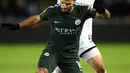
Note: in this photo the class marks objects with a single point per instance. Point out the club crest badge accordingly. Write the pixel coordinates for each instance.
(77, 22)
(46, 54)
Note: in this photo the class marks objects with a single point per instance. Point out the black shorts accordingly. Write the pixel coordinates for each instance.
(51, 58)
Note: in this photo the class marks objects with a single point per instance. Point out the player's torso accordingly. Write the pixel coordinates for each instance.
(67, 27)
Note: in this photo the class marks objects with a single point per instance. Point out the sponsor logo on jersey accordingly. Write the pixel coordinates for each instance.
(77, 22)
(68, 31)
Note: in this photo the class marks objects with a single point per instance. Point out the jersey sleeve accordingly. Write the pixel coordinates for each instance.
(45, 14)
(58, 1)
(89, 2)
(89, 12)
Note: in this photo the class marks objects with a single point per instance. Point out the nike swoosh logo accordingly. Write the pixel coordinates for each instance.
(57, 21)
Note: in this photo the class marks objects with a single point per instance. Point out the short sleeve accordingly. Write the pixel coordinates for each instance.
(58, 1)
(45, 14)
(89, 12)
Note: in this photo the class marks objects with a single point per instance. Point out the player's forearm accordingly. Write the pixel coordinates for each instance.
(30, 21)
(105, 15)
(100, 9)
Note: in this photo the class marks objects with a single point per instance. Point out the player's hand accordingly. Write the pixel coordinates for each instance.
(99, 2)
(11, 26)
(99, 6)
(100, 9)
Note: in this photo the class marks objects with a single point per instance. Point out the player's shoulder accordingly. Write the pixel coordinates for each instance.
(51, 9)
(54, 6)
(81, 4)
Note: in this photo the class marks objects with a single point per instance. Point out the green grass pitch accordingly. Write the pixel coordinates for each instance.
(22, 58)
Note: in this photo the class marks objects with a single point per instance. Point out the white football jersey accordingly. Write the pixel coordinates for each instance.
(90, 2)
(86, 34)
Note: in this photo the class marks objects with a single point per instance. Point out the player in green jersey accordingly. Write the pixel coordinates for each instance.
(67, 20)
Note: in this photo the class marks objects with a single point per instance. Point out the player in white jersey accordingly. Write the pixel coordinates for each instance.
(87, 49)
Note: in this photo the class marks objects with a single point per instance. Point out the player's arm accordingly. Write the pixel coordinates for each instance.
(102, 12)
(104, 15)
(97, 12)
(35, 19)
(28, 22)
(25, 23)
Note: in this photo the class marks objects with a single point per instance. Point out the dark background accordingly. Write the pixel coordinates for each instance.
(115, 29)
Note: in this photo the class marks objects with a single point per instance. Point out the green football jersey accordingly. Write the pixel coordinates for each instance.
(67, 27)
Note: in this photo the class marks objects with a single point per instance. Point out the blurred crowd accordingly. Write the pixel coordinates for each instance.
(17, 8)
(120, 12)
(119, 9)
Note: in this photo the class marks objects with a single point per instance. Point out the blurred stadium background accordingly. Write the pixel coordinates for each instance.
(20, 50)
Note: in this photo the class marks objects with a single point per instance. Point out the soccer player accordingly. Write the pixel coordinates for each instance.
(67, 20)
(87, 49)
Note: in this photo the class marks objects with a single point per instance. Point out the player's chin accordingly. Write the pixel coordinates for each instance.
(65, 12)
